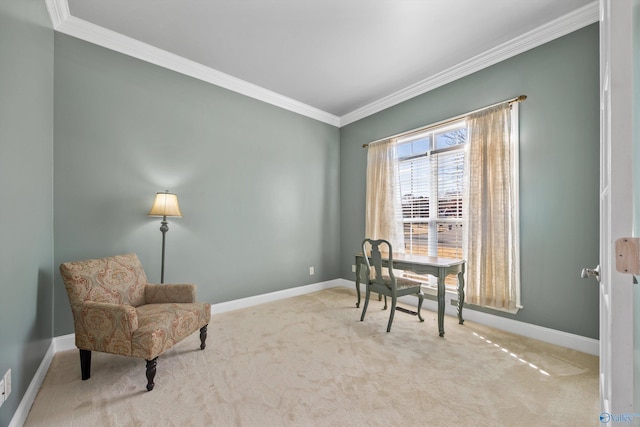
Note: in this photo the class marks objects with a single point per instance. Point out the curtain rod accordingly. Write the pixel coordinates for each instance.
(444, 122)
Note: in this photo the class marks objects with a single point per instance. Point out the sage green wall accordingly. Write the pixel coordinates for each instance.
(258, 185)
(26, 205)
(559, 138)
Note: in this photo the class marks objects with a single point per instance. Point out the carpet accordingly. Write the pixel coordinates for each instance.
(309, 361)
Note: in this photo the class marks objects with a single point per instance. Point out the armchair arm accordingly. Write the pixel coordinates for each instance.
(167, 293)
(105, 327)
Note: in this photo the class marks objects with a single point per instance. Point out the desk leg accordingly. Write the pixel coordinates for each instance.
(441, 291)
(460, 296)
(358, 283)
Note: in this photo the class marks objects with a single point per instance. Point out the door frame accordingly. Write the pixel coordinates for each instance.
(616, 214)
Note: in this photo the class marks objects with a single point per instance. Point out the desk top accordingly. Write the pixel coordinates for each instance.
(424, 260)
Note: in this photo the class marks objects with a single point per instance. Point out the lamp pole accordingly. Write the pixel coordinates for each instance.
(164, 227)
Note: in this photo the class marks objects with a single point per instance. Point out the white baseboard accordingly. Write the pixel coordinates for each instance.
(20, 416)
(61, 343)
(548, 335)
(552, 336)
(65, 342)
(223, 307)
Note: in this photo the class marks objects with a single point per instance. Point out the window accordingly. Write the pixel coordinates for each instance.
(451, 190)
(430, 183)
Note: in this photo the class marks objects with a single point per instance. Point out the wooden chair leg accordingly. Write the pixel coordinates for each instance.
(85, 364)
(151, 372)
(393, 311)
(366, 303)
(420, 301)
(203, 337)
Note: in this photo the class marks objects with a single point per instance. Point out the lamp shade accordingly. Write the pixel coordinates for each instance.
(166, 204)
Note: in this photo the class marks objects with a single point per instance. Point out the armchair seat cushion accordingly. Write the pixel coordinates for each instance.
(160, 326)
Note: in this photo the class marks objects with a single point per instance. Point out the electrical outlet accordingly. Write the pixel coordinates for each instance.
(5, 387)
(7, 384)
(311, 271)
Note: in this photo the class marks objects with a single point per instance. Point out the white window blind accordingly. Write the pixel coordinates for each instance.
(430, 180)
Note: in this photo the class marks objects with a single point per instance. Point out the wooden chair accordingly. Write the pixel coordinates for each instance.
(116, 311)
(386, 284)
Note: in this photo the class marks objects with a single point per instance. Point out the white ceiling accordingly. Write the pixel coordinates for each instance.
(334, 57)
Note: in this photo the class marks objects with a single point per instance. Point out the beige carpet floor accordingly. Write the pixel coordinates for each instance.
(309, 361)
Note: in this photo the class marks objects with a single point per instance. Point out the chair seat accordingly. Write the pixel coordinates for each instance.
(402, 282)
(160, 326)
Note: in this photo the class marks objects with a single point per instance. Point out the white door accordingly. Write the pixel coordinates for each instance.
(616, 197)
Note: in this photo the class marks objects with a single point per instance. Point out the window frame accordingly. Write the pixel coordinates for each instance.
(431, 156)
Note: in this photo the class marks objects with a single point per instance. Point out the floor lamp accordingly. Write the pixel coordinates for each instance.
(165, 204)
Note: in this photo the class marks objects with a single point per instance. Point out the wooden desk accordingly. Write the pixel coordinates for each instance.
(435, 266)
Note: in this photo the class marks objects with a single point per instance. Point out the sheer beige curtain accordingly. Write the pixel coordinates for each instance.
(491, 193)
(383, 205)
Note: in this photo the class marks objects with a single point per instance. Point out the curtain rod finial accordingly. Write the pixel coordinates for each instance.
(522, 98)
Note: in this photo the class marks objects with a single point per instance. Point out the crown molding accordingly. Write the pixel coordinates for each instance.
(58, 11)
(562, 26)
(65, 23)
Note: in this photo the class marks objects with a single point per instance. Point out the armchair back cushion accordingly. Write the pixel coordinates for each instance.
(118, 280)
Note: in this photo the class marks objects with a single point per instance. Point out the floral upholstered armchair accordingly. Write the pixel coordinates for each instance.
(116, 311)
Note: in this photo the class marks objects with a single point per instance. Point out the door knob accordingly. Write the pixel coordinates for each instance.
(588, 272)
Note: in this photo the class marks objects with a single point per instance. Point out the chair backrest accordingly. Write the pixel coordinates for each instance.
(118, 279)
(375, 258)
